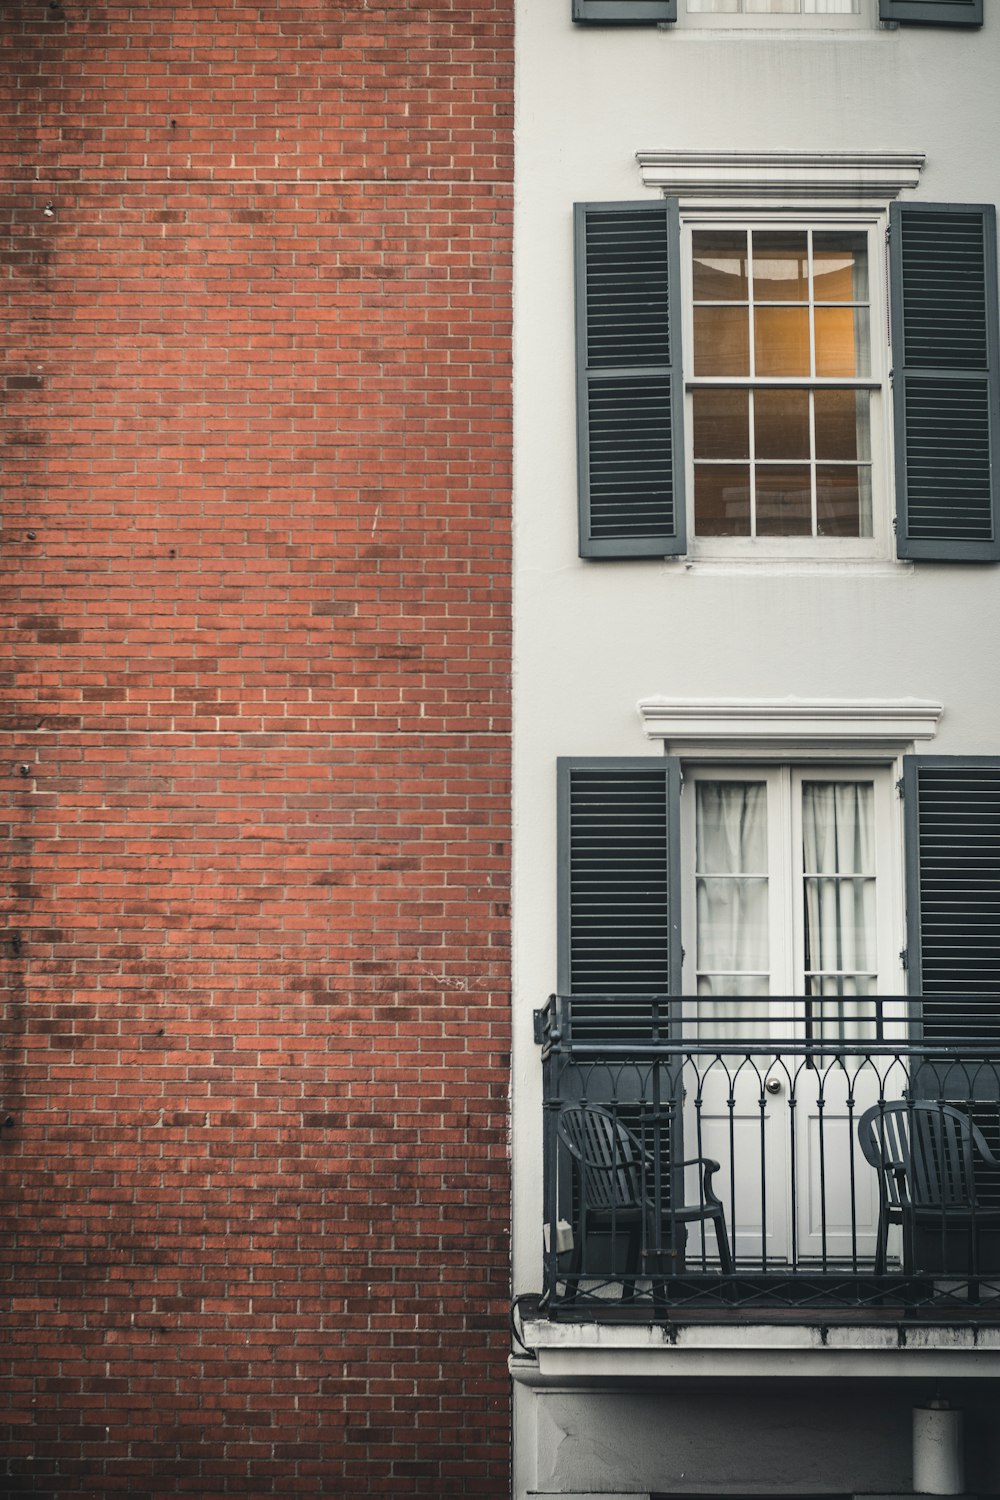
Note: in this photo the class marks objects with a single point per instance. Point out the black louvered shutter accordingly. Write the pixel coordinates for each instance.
(952, 807)
(933, 12)
(629, 390)
(619, 903)
(945, 386)
(624, 12)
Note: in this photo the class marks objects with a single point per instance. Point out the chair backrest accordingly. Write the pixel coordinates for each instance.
(923, 1151)
(606, 1154)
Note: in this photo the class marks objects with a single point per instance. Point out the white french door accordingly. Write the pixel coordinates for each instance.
(792, 916)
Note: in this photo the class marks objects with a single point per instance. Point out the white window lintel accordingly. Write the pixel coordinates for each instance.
(875, 728)
(789, 179)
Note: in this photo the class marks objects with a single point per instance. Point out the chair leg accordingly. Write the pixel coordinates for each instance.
(631, 1262)
(575, 1264)
(722, 1239)
(881, 1245)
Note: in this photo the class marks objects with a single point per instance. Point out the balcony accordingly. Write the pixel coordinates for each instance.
(784, 1159)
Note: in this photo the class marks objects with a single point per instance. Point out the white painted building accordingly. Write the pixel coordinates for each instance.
(757, 746)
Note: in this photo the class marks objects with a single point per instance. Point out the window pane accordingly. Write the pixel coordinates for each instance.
(781, 340)
(838, 828)
(721, 424)
(721, 341)
(725, 986)
(842, 341)
(722, 499)
(840, 918)
(731, 888)
(784, 505)
(780, 266)
(732, 923)
(840, 267)
(842, 425)
(781, 424)
(731, 828)
(843, 501)
(720, 266)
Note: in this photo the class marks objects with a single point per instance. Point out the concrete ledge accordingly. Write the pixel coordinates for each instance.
(585, 1353)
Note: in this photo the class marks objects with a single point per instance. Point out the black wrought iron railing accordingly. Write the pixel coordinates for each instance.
(725, 1154)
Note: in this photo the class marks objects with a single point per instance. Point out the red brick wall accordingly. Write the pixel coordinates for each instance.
(255, 469)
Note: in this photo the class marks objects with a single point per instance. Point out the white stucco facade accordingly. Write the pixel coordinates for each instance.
(595, 639)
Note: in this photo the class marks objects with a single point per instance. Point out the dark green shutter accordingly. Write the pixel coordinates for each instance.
(952, 808)
(630, 398)
(624, 12)
(619, 889)
(945, 387)
(933, 12)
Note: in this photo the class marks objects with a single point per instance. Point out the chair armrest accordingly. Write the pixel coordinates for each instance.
(709, 1195)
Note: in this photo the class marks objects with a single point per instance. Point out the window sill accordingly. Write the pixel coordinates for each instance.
(774, 566)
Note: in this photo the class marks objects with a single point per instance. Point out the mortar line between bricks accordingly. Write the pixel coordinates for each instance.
(498, 185)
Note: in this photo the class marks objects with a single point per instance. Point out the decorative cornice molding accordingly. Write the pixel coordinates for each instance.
(815, 726)
(795, 179)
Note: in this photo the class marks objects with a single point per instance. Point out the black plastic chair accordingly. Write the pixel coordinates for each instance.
(924, 1153)
(613, 1177)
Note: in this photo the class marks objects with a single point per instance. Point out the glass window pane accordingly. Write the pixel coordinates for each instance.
(731, 827)
(840, 921)
(840, 267)
(784, 504)
(838, 828)
(722, 499)
(780, 266)
(732, 923)
(851, 986)
(843, 500)
(721, 341)
(781, 340)
(842, 341)
(721, 423)
(723, 986)
(842, 425)
(781, 424)
(720, 265)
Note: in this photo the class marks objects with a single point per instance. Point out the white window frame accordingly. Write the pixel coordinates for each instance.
(873, 223)
(784, 780)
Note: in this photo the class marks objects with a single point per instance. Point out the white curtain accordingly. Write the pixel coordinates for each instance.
(774, 7)
(732, 905)
(838, 862)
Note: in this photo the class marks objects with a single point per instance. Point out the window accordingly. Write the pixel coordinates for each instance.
(774, 7)
(789, 884)
(655, 12)
(733, 383)
(781, 383)
(807, 856)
